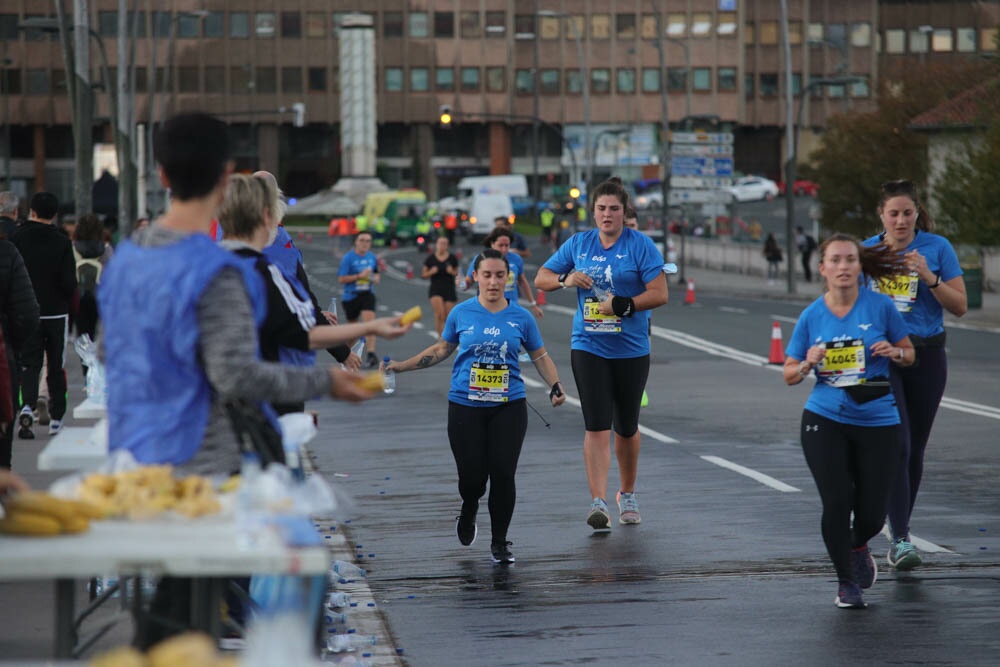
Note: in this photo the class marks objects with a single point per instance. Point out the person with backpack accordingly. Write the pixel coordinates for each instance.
(91, 254)
(807, 246)
(774, 257)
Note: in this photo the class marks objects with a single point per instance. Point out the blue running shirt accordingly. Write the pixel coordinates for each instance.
(921, 311)
(516, 270)
(621, 270)
(352, 264)
(486, 371)
(848, 358)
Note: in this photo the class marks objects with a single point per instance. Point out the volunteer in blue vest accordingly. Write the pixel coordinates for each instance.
(501, 239)
(359, 274)
(930, 284)
(618, 276)
(848, 339)
(487, 412)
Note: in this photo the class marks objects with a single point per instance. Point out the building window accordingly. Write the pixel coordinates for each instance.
(392, 24)
(496, 79)
(600, 26)
(38, 82)
(965, 40)
(625, 26)
(265, 24)
(317, 79)
(187, 79)
(988, 39)
(749, 34)
(647, 26)
(393, 79)
(795, 32)
(748, 86)
(701, 24)
(650, 80)
(676, 79)
(625, 80)
(576, 27)
(291, 79)
(837, 33)
(676, 25)
(836, 91)
(702, 79)
(470, 25)
(470, 79)
(215, 80)
(188, 26)
(918, 41)
(796, 84)
(726, 78)
(444, 78)
(768, 85)
(496, 26)
(214, 25)
(12, 80)
(107, 24)
(815, 32)
(600, 81)
(768, 33)
(266, 80)
(418, 80)
(574, 81)
(8, 26)
(239, 25)
(895, 41)
(549, 27)
(550, 82)
(727, 24)
(860, 89)
(291, 25)
(941, 41)
(524, 26)
(861, 35)
(141, 84)
(444, 25)
(315, 25)
(418, 24)
(161, 24)
(524, 82)
(817, 91)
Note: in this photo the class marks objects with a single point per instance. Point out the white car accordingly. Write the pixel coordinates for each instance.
(649, 199)
(753, 188)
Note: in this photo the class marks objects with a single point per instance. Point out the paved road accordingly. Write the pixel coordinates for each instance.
(728, 566)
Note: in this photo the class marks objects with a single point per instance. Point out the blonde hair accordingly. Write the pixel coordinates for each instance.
(241, 212)
(276, 204)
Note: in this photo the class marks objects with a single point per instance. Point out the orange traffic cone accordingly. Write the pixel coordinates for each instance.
(409, 272)
(689, 297)
(777, 355)
(540, 297)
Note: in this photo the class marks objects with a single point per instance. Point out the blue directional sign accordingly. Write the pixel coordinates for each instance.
(683, 165)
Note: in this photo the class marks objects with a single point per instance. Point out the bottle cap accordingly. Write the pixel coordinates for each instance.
(386, 359)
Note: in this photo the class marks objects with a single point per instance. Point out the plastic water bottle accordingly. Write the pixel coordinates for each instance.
(358, 349)
(345, 570)
(249, 505)
(390, 379)
(342, 643)
(338, 600)
(599, 292)
(332, 308)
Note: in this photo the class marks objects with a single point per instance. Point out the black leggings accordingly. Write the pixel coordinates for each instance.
(486, 443)
(918, 391)
(610, 390)
(853, 468)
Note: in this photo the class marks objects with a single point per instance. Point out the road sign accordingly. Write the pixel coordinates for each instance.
(700, 197)
(701, 137)
(702, 150)
(682, 165)
(700, 182)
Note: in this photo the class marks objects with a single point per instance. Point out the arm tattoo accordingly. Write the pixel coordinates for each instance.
(425, 361)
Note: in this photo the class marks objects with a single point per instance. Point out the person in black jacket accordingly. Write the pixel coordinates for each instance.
(48, 255)
(18, 323)
(8, 214)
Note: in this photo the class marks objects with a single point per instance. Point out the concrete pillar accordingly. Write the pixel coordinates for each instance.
(427, 179)
(39, 153)
(500, 141)
(357, 96)
(267, 147)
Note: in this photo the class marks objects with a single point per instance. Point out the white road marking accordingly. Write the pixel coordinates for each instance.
(971, 408)
(922, 544)
(752, 474)
(529, 382)
(738, 311)
(783, 318)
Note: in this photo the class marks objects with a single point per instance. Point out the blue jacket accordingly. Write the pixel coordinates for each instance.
(158, 394)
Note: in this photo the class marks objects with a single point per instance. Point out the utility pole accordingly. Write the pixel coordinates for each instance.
(126, 135)
(5, 63)
(84, 141)
(536, 185)
(665, 141)
(790, 151)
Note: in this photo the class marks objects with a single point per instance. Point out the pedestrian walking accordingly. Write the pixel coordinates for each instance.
(850, 429)
(359, 274)
(806, 245)
(501, 239)
(9, 203)
(487, 411)
(91, 254)
(18, 324)
(774, 257)
(930, 283)
(48, 256)
(441, 268)
(618, 276)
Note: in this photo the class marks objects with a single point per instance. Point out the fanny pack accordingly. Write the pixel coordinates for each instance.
(937, 340)
(869, 390)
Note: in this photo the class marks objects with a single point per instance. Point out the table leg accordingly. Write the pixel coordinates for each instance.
(206, 600)
(65, 639)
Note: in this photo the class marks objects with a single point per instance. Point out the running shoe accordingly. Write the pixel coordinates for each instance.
(25, 420)
(371, 361)
(863, 566)
(467, 530)
(849, 596)
(902, 555)
(599, 517)
(628, 508)
(500, 553)
(42, 411)
(55, 426)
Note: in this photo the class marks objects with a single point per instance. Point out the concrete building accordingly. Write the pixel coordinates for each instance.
(495, 63)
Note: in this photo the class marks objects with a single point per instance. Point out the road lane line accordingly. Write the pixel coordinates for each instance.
(970, 408)
(730, 309)
(752, 474)
(922, 544)
(783, 318)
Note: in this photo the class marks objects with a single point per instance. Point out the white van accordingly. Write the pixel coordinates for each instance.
(484, 210)
(512, 185)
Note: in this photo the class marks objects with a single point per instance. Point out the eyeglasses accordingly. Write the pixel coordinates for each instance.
(900, 187)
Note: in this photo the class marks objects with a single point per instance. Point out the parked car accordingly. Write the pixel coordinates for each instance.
(649, 199)
(802, 187)
(753, 188)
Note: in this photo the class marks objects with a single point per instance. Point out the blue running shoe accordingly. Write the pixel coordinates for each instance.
(628, 508)
(849, 596)
(599, 518)
(863, 566)
(902, 555)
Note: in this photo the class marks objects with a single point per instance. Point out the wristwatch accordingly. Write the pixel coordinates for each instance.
(936, 283)
(562, 280)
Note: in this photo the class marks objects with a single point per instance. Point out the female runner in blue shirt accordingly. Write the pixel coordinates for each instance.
(850, 430)
(618, 273)
(487, 412)
(501, 239)
(930, 284)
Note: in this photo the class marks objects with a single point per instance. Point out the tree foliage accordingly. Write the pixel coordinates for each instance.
(862, 150)
(968, 194)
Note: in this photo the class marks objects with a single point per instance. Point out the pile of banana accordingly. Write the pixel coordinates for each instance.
(38, 513)
(147, 492)
(191, 649)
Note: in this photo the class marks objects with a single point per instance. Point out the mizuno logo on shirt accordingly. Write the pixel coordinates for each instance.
(864, 327)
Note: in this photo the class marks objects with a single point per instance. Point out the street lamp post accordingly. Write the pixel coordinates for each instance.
(665, 142)
(688, 79)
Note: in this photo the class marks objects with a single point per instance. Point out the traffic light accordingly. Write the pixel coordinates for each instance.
(445, 116)
(299, 114)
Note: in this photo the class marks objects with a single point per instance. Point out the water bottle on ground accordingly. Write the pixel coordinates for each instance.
(343, 569)
(338, 600)
(390, 379)
(353, 642)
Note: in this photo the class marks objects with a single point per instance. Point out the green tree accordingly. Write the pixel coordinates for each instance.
(968, 193)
